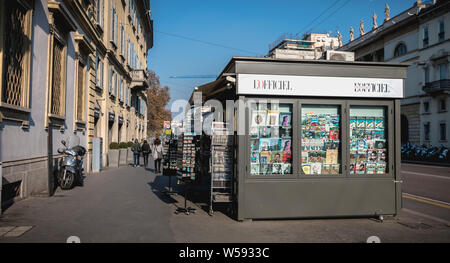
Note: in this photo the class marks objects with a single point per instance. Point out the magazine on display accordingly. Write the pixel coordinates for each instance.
(275, 131)
(264, 144)
(286, 145)
(265, 169)
(286, 132)
(254, 168)
(277, 168)
(287, 157)
(273, 117)
(326, 169)
(285, 119)
(258, 118)
(265, 157)
(275, 145)
(265, 132)
(254, 132)
(287, 168)
(254, 157)
(306, 168)
(316, 168)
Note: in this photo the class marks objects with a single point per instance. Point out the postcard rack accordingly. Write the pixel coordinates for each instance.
(221, 165)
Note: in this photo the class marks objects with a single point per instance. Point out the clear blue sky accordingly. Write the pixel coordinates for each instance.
(247, 27)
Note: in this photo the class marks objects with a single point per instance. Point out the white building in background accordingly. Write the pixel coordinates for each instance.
(311, 46)
(419, 36)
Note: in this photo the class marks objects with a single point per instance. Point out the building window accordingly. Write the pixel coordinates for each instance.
(122, 41)
(400, 50)
(442, 71)
(114, 25)
(100, 12)
(115, 84)
(120, 88)
(426, 107)
(427, 74)
(15, 59)
(58, 80)
(443, 131)
(99, 73)
(442, 105)
(425, 37)
(426, 130)
(441, 34)
(111, 75)
(80, 93)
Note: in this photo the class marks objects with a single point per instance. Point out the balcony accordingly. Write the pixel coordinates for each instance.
(437, 87)
(139, 80)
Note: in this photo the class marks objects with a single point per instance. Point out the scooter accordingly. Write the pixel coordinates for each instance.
(70, 170)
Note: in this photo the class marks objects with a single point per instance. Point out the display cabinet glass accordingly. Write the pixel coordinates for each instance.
(320, 140)
(270, 139)
(368, 140)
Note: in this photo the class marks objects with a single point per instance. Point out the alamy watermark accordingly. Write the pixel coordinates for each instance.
(233, 112)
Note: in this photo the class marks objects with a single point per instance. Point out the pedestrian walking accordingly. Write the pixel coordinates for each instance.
(145, 152)
(157, 155)
(136, 149)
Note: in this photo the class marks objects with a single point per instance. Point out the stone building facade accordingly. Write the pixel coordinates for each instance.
(419, 36)
(68, 67)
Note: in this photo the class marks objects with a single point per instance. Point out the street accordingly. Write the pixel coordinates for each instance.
(426, 189)
(127, 205)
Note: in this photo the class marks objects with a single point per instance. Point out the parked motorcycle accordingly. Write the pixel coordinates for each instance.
(423, 153)
(70, 170)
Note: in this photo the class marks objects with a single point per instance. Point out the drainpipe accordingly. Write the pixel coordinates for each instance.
(1, 171)
(1, 186)
(50, 158)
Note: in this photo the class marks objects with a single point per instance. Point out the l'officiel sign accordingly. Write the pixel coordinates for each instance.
(280, 85)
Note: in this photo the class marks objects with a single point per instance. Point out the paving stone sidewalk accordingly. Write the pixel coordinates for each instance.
(127, 205)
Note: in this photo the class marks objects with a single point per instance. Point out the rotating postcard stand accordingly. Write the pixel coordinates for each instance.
(171, 159)
(187, 210)
(186, 174)
(169, 191)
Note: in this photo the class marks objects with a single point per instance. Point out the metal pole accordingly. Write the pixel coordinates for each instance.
(50, 158)
(1, 186)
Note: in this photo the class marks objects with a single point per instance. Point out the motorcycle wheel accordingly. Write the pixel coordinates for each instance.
(67, 182)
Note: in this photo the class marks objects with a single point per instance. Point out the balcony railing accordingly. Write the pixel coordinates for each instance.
(439, 86)
(139, 79)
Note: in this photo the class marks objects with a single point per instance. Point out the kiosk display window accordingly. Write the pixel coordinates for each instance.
(368, 144)
(270, 139)
(320, 133)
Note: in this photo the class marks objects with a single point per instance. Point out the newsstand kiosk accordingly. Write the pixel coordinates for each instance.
(314, 139)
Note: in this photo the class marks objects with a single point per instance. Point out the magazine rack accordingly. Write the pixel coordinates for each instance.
(221, 165)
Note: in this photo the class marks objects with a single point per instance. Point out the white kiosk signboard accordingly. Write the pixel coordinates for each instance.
(281, 85)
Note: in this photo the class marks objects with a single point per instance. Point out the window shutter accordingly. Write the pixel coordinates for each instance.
(111, 73)
(115, 84)
(101, 74)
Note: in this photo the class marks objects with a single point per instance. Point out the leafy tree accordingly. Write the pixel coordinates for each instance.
(158, 98)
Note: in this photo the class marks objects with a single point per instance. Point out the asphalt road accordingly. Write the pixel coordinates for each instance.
(426, 190)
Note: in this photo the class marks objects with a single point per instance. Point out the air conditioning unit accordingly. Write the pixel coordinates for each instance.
(340, 55)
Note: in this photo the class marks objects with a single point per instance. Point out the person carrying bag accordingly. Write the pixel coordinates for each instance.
(157, 155)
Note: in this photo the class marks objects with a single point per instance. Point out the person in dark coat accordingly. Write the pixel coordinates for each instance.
(145, 152)
(136, 149)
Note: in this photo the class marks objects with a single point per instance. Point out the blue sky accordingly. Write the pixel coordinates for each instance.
(244, 28)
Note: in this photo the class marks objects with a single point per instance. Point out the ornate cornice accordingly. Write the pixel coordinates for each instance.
(87, 25)
(59, 16)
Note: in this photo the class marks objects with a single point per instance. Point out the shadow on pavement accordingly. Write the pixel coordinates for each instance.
(158, 187)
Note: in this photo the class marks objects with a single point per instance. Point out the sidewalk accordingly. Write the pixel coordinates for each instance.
(126, 205)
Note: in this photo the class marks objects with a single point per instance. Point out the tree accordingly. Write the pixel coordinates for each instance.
(158, 98)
